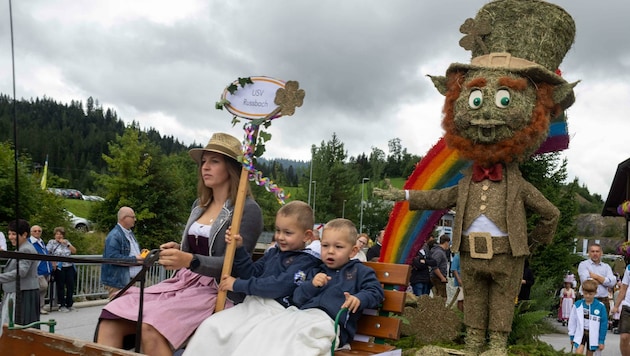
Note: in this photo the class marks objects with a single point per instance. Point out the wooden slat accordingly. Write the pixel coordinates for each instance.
(394, 301)
(391, 273)
(364, 349)
(34, 342)
(379, 326)
(382, 326)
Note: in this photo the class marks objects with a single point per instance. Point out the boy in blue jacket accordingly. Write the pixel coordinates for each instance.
(268, 283)
(340, 282)
(588, 321)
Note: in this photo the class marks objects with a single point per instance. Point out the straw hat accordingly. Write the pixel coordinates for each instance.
(222, 143)
(528, 37)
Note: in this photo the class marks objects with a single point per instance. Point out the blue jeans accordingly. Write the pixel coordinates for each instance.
(421, 288)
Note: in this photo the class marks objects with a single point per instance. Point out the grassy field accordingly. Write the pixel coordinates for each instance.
(397, 182)
(79, 207)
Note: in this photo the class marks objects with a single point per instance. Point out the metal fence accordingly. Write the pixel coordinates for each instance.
(88, 284)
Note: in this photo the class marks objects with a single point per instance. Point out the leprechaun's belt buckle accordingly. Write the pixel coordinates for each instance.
(473, 249)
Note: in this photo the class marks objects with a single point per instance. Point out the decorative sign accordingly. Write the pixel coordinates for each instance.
(255, 100)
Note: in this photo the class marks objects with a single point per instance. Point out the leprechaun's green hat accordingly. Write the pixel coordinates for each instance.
(528, 37)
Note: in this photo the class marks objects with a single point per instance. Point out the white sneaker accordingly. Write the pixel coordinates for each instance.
(43, 311)
(64, 309)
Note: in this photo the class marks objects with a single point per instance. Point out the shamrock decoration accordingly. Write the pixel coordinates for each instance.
(474, 32)
(289, 98)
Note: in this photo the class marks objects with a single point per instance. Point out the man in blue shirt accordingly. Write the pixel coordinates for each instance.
(44, 268)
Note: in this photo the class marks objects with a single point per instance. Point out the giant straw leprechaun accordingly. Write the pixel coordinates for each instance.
(496, 113)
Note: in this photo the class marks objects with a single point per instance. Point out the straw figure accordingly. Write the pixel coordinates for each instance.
(496, 114)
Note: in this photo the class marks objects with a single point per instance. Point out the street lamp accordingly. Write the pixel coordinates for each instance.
(343, 209)
(314, 196)
(361, 219)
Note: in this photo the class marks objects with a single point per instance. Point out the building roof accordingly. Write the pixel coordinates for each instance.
(619, 190)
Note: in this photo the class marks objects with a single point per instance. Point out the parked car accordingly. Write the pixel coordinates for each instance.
(79, 223)
(74, 194)
(66, 193)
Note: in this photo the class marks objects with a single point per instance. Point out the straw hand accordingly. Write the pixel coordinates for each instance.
(390, 193)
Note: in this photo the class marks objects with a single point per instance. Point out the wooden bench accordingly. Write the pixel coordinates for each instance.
(385, 325)
(40, 343)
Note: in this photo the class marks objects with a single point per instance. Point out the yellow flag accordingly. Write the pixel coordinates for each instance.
(43, 183)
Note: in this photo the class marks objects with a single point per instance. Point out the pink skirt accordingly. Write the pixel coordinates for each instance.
(175, 307)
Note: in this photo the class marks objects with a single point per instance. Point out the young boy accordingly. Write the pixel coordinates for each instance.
(340, 282)
(588, 321)
(268, 284)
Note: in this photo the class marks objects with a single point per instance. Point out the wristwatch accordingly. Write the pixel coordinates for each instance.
(194, 263)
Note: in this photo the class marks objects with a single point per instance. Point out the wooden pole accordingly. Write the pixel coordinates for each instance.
(239, 205)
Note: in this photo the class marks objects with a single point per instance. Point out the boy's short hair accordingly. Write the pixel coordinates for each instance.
(344, 224)
(301, 211)
(444, 238)
(589, 285)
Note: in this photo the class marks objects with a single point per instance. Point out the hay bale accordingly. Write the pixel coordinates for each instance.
(431, 321)
(411, 299)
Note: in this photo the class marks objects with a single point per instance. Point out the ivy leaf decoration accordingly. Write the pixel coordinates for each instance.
(265, 136)
(235, 120)
(232, 88)
(244, 81)
(260, 149)
(258, 122)
(474, 34)
(221, 103)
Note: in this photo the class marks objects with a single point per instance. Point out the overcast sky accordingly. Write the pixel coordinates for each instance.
(362, 63)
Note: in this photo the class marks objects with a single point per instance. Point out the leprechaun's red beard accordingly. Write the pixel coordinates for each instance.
(516, 148)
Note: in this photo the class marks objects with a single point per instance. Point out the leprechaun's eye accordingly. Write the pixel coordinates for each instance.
(502, 98)
(475, 99)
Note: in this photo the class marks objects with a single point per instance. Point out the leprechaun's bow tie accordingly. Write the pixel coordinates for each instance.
(493, 173)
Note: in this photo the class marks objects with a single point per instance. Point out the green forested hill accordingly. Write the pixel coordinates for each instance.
(74, 136)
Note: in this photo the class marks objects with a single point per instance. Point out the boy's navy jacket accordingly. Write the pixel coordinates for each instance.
(354, 278)
(275, 275)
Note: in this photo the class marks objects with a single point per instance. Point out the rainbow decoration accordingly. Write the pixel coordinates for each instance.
(407, 230)
(442, 167)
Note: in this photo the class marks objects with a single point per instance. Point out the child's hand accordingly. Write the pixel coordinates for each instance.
(601, 347)
(237, 239)
(352, 302)
(227, 283)
(320, 280)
